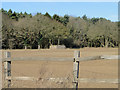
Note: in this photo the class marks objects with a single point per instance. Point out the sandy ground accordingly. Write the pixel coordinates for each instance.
(100, 69)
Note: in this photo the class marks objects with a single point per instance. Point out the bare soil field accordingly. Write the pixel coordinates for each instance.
(99, 69)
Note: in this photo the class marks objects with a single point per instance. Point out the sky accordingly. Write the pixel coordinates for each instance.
(108, 10)
(59, 0)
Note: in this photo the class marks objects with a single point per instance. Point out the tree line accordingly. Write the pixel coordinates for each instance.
(23, 30)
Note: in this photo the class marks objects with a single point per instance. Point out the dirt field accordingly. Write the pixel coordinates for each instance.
(99, 69)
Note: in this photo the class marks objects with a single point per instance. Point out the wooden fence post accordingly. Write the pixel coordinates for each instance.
(7, 69)
(76, 69)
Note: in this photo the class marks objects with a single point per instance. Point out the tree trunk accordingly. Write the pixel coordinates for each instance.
(118, 44)
(58, 41)
(106, 42)
(38, 46)
(50, 41)
(25, 47)
(91, 44)
(10, 44)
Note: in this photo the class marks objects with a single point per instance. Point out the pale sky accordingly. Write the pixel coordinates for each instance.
(108, 10)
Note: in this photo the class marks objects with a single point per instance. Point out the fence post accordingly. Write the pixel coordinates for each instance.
(76, 69)
(7, 69)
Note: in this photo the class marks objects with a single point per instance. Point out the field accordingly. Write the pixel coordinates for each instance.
(99, 69)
